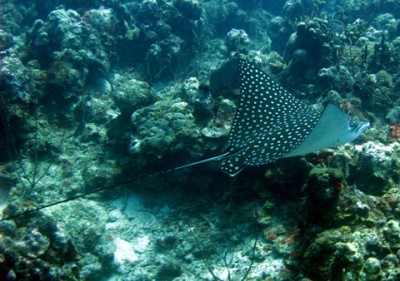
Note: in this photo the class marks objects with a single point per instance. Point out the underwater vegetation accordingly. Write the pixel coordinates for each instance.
(102, 92)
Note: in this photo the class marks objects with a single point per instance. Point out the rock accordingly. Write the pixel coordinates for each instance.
(371, 270)
(237, 40)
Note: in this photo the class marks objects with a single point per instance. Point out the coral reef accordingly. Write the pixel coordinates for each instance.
(237, 41)
(40, 253)
(101, 92)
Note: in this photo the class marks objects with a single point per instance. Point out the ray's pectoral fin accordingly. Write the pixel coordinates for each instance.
(333, 128)
(234, 164)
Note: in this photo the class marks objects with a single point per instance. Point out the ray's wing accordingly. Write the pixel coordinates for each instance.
(269, 122)
(333, 128)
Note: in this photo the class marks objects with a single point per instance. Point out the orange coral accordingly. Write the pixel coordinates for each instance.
(394, 132)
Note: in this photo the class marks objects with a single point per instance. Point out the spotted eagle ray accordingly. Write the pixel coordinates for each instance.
(269, 124)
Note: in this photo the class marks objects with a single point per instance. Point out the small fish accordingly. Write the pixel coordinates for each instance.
(270, 124)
